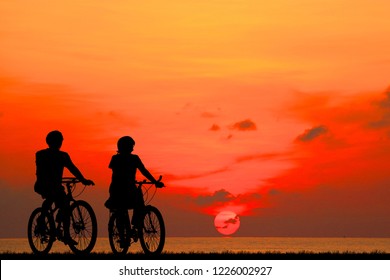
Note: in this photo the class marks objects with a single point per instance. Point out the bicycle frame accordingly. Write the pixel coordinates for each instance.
(53, 209)
(149, 227)
(82, 223)
(139, 185)
(145, 192)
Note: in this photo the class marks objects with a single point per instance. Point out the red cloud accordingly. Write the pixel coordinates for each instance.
(312, 133)
(215, 127)
(245, 125)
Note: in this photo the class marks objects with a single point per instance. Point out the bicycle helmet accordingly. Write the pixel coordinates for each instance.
(125, 144)
(54, 139)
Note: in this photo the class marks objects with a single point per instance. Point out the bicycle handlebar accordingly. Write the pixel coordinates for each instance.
(72, 180)
(144, 182)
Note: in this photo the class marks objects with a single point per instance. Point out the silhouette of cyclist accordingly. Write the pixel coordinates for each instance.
(50, 164)
(124, 194)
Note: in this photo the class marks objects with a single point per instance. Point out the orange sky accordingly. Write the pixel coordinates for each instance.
(277, 110)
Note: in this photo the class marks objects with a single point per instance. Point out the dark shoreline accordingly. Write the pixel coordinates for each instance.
(376, 255)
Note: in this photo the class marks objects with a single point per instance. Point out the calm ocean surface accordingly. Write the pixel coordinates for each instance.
(233, 244)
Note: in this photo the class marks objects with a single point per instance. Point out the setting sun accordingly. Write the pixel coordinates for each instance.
(227, 222)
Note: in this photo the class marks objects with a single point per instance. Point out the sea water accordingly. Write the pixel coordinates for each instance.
(231, 244)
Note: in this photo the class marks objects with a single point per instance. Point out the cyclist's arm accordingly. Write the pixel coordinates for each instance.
(76, 172)
(145, 172)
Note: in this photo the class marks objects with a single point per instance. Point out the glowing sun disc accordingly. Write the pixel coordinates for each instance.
(227, 222)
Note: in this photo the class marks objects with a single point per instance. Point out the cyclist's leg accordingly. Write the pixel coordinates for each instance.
(62, 202)
(135, 220)
(46, 204)
(122, 225)
(120, 221)
(139, 204)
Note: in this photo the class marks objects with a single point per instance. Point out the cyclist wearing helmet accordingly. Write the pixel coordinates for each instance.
(50, 164)
(123, 191)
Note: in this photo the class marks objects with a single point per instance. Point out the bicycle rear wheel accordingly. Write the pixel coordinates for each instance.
(119, 242)
(83, 227)
(41, 231)
(152, 231)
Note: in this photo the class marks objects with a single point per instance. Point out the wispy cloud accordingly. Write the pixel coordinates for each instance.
(245, 125)
(233, 221)
(264, 156)
(312, 133)
(383, 106)
(217, 197)
(174, 177)
(244, 203)
(215, 127)
(208, 115)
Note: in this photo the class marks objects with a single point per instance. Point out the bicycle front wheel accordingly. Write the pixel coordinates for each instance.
(83, 227)
(41, 231)
(152, 231)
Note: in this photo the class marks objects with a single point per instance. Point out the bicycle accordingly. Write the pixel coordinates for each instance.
(45, 224)
(151, 229)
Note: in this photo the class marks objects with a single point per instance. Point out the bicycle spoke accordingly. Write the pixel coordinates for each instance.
(40, 231)
(153, 231)
(83, 228)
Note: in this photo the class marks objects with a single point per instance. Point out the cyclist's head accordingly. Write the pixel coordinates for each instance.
(54, 139)
(125, 144)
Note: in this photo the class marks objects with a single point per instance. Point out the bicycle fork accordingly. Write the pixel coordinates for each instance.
(78, 222)
(149, 226)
